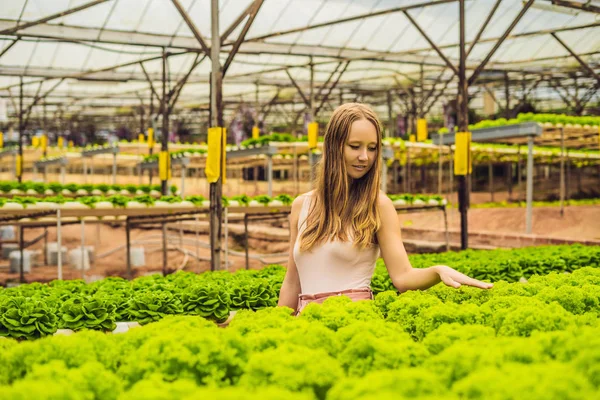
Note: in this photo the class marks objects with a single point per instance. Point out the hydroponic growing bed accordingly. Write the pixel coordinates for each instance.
(518, 340)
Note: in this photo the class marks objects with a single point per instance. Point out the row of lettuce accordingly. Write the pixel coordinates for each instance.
(75, 189)
(535, 340)
(550, 119)
(149, 194)
(35, 310)
(147, 200)
(555, 203)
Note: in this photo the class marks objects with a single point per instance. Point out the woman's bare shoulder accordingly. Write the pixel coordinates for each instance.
(298, 202)
(300, 198)
(384, 201)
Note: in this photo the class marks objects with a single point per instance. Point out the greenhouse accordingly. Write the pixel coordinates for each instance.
(303, 199)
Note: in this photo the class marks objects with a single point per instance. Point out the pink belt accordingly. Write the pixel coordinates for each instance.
(354, 294)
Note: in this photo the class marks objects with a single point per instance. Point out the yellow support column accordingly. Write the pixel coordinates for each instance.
(313, 135)
(421, 130)
(217, 140)
(462, 154)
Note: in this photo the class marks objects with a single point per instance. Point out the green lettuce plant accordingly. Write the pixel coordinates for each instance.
(145, 307)
(196, 200)
(26, 318)
(89, 313)
(208, 301)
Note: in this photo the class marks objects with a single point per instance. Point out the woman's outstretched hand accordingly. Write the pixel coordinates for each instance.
(455, 279)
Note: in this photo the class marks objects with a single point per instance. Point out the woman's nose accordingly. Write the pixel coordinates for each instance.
(363, 155)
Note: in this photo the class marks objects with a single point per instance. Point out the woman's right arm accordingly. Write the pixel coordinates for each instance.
(290, 289)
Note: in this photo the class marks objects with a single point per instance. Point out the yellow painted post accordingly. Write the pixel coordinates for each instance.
(1, 140)
(224, 153)
(421, 129)
(217, 141)
(164, 165)
(462, 154)
(19, 166)
(150, 138)
(35, 141)
(313, 134)
(44, 142)
(141, 138)
(255, 132)
(412, 138)
(60, 142)
(70, 143)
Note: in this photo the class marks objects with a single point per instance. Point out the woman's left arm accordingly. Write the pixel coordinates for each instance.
(403, 275)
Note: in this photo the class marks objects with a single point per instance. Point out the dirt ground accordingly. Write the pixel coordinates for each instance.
(578, 222)
(110, 253)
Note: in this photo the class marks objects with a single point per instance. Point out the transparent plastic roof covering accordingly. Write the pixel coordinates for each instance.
(385, 47)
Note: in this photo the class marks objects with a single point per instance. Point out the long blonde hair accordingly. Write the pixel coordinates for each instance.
(340, 203)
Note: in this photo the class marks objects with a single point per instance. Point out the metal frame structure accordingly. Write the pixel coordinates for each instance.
(418, 69)
(46, 30)
(530, 130)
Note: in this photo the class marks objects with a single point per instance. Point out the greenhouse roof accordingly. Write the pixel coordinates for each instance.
(102, 54)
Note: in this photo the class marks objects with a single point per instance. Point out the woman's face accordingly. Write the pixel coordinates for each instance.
(360, 151)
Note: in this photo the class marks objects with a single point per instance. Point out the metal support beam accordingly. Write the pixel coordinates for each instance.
(507, 95)
(216, 105)
(270, 175)
(483, 26)
(51, 17)
(577, 5)
(150, 82)
(324, 99)
(441, 92)
(176, 91)
(240, 39)
(531, 88)
(579, 59)
(589, 94)
(7, 48)
(428, 95)
(390, 129)
(562, 171)
(478, 70)
(20, 158)
(349, 19)
(306, 101)
(113, 36)
(463, 126)
(235, 23)
(38, 98)
(266, 108)
(559, 84)
(192, 27)
(421, 90)
(433, 45)
(529, 194)
(562, 96)
(324, 86)
(493, 96)
(164, 183)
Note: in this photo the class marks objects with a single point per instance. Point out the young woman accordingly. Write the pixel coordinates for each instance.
(340, 229)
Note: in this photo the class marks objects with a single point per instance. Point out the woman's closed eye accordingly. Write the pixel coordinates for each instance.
(356, 147)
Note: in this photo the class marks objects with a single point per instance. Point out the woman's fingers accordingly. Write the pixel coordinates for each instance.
(455, 279)
(478, 284)
(467, 280)
(448, 281)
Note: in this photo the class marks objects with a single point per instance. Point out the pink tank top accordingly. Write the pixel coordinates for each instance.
(334, 265)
